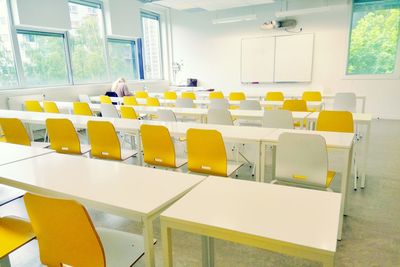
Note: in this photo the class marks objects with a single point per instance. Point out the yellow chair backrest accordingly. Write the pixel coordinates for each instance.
(64, 231)
(237, 96)
(312, 96)
(335, 121)
(63, 137)
(295, 105)
(104, 140)
(190, 95)
(215, 95)
(170, 95)
(128, 113)
(130, 100)
(82, 108)
(14, 131)
(274, 96)
(158, 147)
(141, 94)
(14, 232)
(105, 99)
(33, 105)
(50, 107)
(206, 152)
(153, 102)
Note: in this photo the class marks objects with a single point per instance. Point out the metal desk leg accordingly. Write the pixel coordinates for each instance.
(139, 149)
(261, 164)
(208, 251)
(166, 244)
(258, 168)
(148, 242)
(343, 187)
(366, 149)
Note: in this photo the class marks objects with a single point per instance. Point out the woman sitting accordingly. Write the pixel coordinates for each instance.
(120, 88)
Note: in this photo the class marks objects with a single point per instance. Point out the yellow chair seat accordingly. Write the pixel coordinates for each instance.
(14, 233)
(329, 178)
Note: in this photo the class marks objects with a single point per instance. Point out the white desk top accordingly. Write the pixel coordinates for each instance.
(333, 139)
(357, 117)
(10, 152)
(289, 214)
(114, 186)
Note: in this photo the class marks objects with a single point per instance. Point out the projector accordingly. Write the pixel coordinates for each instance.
(279, 24)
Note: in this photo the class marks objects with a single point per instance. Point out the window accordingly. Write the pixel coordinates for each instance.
(151, 45)
(374, 37)
(8, 73)
(43, 58)
(122, 59)
(87, 47)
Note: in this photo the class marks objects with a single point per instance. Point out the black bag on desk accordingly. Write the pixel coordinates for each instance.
(192, 82)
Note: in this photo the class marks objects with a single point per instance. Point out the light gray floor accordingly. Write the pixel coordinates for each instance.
(371, 234)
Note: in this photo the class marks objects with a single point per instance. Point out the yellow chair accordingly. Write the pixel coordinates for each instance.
(207, 154)
(171, 95)
(274, 96)
(335, 121)
(295, 105)
(237, 96)
(33, 105)
(338, 121)
(190, 95)
(14, 233)
(152, 102)
(141, 94)
(82, 108)
(67, 236)
(312, 96)
(50, 107)
(63, 137)
(105, 143)
(130, 101)
(105, 99)
(215, 95)
(158, 147)
(15, 132)
(128, 113)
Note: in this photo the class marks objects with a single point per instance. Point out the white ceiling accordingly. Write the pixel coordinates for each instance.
(210, 5)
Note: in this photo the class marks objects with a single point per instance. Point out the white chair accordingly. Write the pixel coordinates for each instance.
(185, 103)
(219, 103)
(109, 111)
(302, 159)
(345, 102)
(166, 115)
(278, 119)
(219, 116)
(250, 105)
(84, 98)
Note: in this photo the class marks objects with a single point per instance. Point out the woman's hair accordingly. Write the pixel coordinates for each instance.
(115, 84)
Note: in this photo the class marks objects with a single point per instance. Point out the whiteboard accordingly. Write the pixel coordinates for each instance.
(283, 58)
(258, 59)
(293, 58)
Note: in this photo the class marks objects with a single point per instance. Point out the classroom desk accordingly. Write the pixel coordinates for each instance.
(341, 142)
(134, 192)
(205, 102)
(233, 134)
(198, 113)
(288, 220)
(10, 153)
(359, 119)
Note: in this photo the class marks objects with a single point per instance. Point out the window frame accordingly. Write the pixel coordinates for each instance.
(391, 76)
(93, 4)
(15, 48)
(25, 30)
(151, 15)
(134, 50)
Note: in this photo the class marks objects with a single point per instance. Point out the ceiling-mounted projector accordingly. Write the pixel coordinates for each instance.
(279, 24)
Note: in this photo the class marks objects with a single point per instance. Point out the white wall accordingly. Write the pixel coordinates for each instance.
(211, 53)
